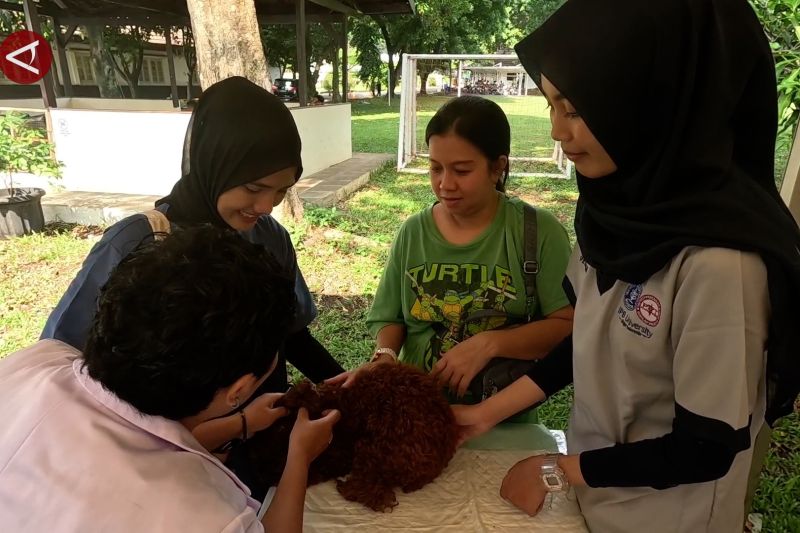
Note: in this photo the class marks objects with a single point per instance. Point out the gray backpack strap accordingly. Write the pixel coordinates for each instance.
(530, 257)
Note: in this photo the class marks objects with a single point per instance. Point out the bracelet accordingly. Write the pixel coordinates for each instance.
(244, 425)
(383, 351)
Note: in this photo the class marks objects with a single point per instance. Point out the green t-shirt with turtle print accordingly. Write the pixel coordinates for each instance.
(445, 293)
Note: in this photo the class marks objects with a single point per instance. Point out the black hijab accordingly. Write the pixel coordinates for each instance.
(682, 95)
(238, 133)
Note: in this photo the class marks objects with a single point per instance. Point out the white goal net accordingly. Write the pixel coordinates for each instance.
(498, 77)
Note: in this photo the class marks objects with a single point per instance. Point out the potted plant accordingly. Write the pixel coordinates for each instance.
(23, 149)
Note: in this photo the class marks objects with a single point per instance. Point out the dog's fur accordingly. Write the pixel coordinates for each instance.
(396, 430)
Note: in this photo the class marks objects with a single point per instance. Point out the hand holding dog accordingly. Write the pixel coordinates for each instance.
(471, 421)
(309, 438)
(261, 413)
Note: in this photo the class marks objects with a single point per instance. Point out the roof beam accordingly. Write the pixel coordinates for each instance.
(141, 8)
(291, 19)
(336, 5)
(398, 7)
(124, 12)
(10, 6)
(124, 20)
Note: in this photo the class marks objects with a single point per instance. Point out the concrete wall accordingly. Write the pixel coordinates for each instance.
(326, 136)
(140, 152)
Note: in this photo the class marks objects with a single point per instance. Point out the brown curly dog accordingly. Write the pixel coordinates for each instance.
(396, 430)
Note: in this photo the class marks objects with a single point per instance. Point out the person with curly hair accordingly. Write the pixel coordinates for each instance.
(187, 329)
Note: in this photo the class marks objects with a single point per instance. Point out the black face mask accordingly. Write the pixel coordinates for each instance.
(682, 95)
(238, 133)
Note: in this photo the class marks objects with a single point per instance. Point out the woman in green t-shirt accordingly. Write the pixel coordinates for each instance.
(454, 284)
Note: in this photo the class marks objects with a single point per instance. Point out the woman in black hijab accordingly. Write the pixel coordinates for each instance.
(241, 154)
(687, 269)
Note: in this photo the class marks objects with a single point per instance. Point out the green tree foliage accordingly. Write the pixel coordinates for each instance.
(524, 16)
(126, 46)
(781, 20)
(24, 149)
(280, 47)
(366, 38)
(323, 44)
(440, 27)
(11, 21)
(189, 56)
(447, 27)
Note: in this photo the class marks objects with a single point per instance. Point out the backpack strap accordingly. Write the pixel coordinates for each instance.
(158, 222)
(530, 257)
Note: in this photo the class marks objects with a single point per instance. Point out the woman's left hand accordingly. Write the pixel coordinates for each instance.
(262, 413)
(523, 485)
(462, 362)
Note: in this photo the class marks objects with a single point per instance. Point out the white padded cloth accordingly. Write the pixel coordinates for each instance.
(465, 498)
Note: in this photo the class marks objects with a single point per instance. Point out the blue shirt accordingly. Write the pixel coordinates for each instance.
(71, 319)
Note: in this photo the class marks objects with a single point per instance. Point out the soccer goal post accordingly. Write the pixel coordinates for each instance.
(430, 80)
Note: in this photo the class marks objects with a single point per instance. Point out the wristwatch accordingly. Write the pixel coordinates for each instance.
(553, 477)
(383, 351)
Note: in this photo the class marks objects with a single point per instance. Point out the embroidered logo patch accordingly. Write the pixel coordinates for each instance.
(648, 309)
(632, 295)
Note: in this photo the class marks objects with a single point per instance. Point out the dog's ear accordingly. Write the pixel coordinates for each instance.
(304, 394)
(292, 400)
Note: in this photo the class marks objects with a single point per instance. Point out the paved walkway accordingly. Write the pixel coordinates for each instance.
(334, 184)
(325, 188)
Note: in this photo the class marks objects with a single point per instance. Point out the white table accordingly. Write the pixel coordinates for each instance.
(464, 498)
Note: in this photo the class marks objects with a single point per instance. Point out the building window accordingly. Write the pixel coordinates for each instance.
(152, 71)
(84, 64)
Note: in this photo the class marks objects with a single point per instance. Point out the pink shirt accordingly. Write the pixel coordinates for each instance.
(75, 458)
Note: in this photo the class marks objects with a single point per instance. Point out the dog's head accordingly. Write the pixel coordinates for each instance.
(267, 449)
(315, 398)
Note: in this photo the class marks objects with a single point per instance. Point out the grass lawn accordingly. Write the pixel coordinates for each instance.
(376, 124)
(34, 273)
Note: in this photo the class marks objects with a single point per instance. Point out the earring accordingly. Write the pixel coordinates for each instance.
(236, 403)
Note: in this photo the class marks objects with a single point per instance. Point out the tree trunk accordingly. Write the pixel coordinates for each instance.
(335, 80)
(130, 69)
(102, 63)
(136, 72)
(313, 78)
(190, 57)
(133, 86)
(331, 53)
(227, 41)
(393, 69)
(398, 69)
(424, 72)
(312, 73)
